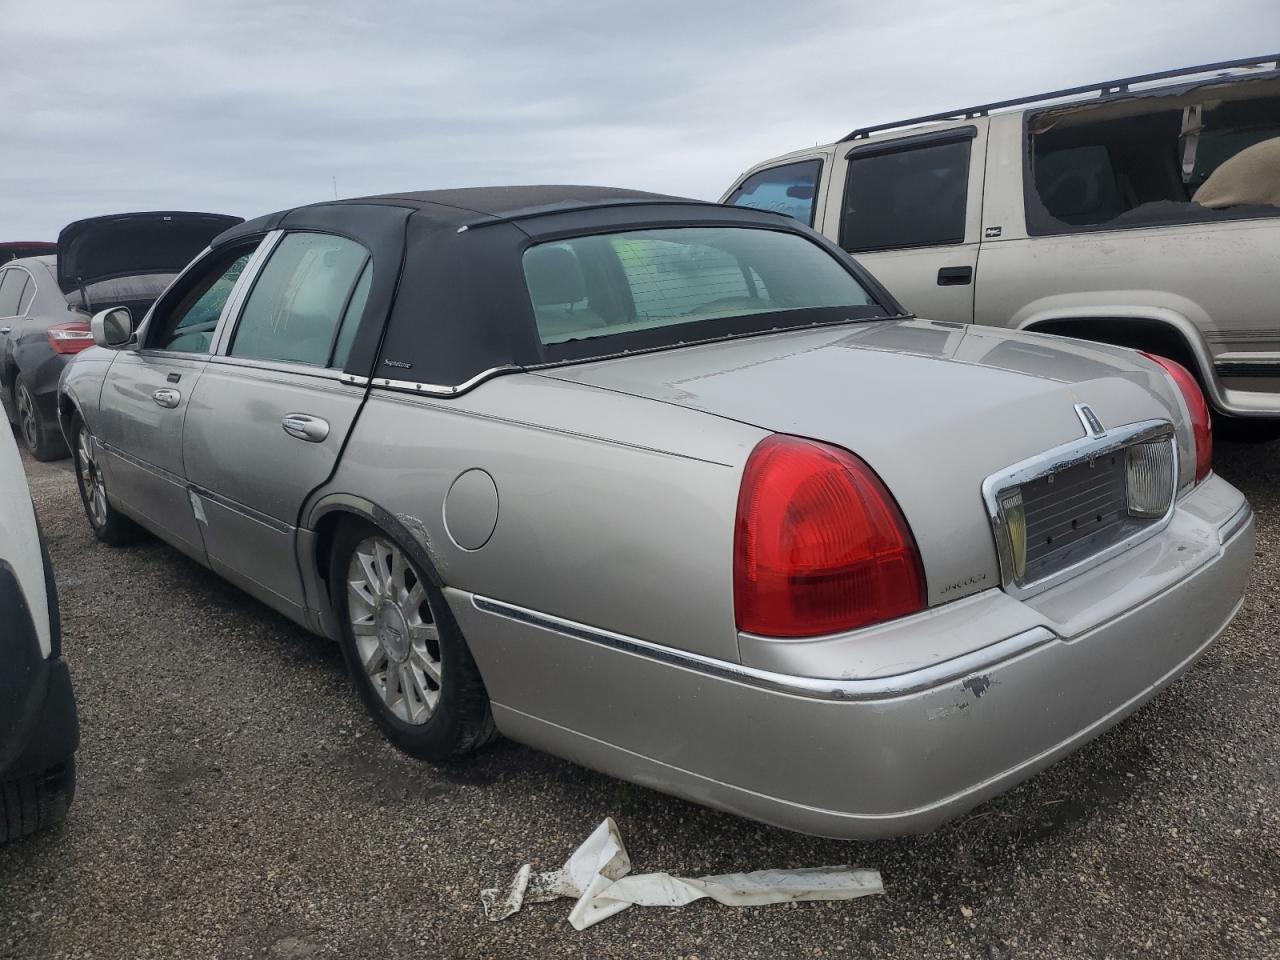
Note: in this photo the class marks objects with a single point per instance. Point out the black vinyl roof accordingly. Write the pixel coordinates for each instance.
(448, 277)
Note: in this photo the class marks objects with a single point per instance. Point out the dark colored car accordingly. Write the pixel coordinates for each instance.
(46, 301)
(19, 249)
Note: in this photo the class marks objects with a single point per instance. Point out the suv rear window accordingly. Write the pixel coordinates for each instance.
(641, 280)
(791, 189)
(910, 197)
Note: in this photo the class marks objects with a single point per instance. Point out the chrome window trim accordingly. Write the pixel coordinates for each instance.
(231, 310)
(283, 366)
(1060, 458)
(441, 390)
(812, 688)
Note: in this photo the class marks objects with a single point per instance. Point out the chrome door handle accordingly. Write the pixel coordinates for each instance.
(4, 330)
(305, 427)
(166, 397)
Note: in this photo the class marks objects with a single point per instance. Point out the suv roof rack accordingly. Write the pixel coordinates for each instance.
(1104, 88)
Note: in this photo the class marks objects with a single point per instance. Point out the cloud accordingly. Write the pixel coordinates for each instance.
(246, 107)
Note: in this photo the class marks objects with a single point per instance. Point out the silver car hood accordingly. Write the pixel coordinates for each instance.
(934, 408)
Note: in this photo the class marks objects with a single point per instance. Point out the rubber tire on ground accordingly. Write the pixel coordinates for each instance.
(49, 444)
(462, 722)
(36, 801)
(118, 530)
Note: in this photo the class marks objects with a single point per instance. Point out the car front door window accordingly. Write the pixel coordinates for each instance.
(190, 325)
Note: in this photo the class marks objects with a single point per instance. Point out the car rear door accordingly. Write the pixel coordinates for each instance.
(909, 209)
(272, 409)
(146, 394)
(13, 281)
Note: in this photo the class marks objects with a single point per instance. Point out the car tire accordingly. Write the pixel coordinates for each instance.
(408, 660)
(41, 442)
(108, 524)
(36, 801)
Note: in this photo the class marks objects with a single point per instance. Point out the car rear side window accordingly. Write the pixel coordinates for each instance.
(791, 189)
(296, 311)
(913, 197)
(640, 280)
(28, 294)
(11, 285)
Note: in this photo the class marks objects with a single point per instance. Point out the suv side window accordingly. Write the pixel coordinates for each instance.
(912, 197)
(304, 301)
(190, 325)
(791, 189)
(11, 283)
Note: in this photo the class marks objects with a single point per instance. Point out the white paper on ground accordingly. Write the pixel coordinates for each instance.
(597, 876)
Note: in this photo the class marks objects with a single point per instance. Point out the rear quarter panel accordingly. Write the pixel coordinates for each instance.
(613, 511)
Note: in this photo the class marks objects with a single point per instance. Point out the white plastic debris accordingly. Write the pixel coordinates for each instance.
(597, 876)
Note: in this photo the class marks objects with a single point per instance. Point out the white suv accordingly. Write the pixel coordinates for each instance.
(39, 731)
(1076, 213)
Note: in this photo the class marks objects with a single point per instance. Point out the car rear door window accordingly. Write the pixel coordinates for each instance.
(791, 189)
(11, 284)
(913, 197)
(296, 311)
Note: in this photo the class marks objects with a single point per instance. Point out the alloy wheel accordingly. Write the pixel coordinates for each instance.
(27, 417)
(91, 482)
(395, 631)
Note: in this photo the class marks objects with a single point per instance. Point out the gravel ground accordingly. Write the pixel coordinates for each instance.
(235, 802)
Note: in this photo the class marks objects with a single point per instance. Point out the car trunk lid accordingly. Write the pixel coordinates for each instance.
(133, 244)
(934, 409)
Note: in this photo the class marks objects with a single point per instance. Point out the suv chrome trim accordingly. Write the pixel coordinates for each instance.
(1060, 458)
(813, 688)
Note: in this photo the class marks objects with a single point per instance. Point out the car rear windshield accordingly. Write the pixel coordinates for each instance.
(683, 280)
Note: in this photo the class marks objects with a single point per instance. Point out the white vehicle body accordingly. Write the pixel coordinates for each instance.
(39, 731)
(949, 215)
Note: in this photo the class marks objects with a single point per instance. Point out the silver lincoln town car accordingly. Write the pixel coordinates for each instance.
(671, 489)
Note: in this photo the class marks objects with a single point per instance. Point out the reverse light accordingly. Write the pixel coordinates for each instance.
(70, 337)
(1197, 410)
(820, 545)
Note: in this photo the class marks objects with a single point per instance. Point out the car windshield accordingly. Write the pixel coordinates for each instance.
(641, 280)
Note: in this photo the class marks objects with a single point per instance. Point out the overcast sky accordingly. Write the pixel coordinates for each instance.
(247, 107)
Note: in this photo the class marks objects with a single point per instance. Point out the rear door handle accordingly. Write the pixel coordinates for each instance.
(4, 330)
(955, 276)
(305, 427)
(167, 397)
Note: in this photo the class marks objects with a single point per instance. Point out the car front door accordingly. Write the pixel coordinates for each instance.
(272, 409)
(146, 395)
(911, 213)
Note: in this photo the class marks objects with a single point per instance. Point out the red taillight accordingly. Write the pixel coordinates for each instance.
(1197, 409)
(71, 337)
(820, 545)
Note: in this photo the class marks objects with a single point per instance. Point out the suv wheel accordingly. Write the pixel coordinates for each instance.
(407, 658)
(109, 525)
